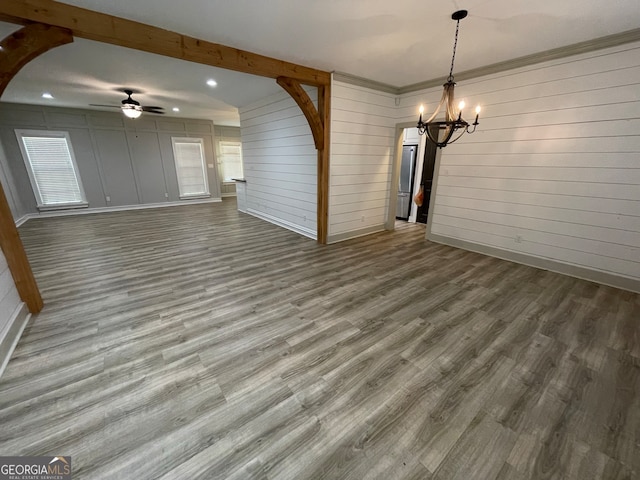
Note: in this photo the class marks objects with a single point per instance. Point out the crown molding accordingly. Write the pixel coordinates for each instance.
(365, 82)
(567, 51)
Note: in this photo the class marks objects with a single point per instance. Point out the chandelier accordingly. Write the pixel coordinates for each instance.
(442, 132)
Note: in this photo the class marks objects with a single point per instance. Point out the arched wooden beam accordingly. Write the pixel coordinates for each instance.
(18, 49)
(318, 120)
(22, 46)
(301, 97)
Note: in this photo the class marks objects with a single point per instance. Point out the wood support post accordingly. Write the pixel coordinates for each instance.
(17, 50)
(17, 258)
(324, 108)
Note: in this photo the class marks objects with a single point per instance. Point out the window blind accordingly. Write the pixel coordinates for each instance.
(231, 159)
(190, 168)
(53, 170)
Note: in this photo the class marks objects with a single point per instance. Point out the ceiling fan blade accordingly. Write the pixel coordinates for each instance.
(110, 106)
(157, 112)
(146, 108)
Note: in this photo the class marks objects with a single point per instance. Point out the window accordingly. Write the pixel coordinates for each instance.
(230, 160)
(190, 167)
(52, 168)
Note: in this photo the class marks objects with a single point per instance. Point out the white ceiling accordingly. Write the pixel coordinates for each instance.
(398, 43)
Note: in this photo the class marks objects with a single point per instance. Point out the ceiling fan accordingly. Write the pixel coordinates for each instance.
(132, 108)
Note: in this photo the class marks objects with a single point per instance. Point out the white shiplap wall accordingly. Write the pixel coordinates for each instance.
(13, 313)
(362, 144)
(280, 163)
(553, 173)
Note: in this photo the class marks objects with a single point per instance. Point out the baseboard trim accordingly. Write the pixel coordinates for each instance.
(231, 194)
(11, 334)
(22, 219)
(283, 223)
(341, 237)
(571, 270)
(122, 208)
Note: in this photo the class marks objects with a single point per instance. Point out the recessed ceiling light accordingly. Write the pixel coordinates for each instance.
(47, 95)
(175, 109)
(211, 82)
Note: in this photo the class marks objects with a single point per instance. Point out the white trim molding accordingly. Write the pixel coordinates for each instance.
(342, 237)
(86, 211)
(11, 334)
(307, 232)
(577, 271)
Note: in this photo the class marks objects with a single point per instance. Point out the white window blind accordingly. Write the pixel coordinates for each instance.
(190, 167)
(52, 168)
(231, 160)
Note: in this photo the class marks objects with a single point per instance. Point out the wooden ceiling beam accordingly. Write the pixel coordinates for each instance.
(106, 28)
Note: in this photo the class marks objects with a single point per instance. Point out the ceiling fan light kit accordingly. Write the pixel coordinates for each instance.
(442, 132)
(132, 111)
(131, 108)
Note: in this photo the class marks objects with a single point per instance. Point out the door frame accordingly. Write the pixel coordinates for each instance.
(395, 175)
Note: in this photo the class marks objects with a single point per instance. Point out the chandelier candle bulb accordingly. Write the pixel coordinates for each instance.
(478, 109)
(421, 112)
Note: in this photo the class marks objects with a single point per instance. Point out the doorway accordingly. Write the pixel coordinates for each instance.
(415, 165)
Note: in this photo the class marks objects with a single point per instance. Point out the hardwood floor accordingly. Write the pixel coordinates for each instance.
(199, 343)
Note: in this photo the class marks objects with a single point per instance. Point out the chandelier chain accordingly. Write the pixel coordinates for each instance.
(453, 57)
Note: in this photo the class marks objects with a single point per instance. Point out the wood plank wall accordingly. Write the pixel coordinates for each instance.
(121, 162)
(362, 144)
(553, 171)
(279, 159)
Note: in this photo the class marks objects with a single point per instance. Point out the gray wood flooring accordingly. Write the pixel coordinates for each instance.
(199, 343)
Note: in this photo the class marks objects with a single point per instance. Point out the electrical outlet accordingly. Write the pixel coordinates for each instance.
(518, 238)
(107, 198)
(166, 195)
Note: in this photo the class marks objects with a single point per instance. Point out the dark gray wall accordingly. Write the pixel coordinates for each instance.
(121, 162)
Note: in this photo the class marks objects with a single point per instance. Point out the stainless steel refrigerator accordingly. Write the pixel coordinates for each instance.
(405, 182)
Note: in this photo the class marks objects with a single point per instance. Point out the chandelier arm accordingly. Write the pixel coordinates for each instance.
(449, 131)
(430, 137)
(458, 137)
(450, 93)
(443, 101)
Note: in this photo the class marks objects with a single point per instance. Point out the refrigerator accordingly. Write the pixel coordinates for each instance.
(405, 182)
